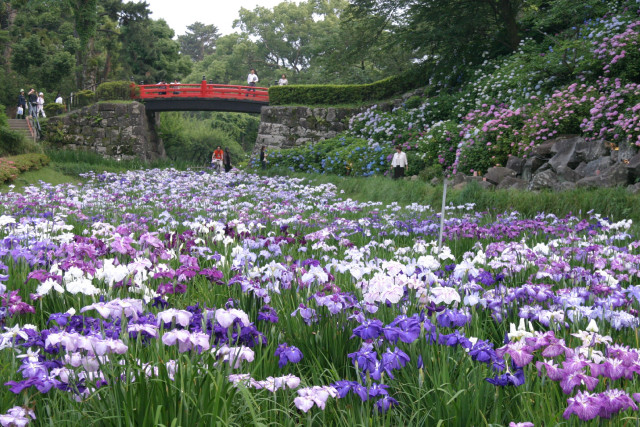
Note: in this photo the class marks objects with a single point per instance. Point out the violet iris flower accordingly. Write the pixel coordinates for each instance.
(368, 330)
(287, 354)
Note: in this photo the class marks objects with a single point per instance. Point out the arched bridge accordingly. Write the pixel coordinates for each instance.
(203, 97)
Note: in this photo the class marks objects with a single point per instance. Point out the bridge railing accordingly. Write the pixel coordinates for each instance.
(204, 90)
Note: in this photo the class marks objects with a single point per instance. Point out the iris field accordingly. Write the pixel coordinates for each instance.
(165, 297)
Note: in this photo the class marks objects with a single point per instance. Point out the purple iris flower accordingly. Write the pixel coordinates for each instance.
(287, 354)
(366, 393)
(368, 330)
(344, 387)
(453, 319)
(365, 358)
(483, 352)
(515, 379)
(268, 314)
(454, 339)
(585, 405)
(395, 359)
(384, 404)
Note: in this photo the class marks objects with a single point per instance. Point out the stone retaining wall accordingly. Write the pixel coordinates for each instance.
(118, 130)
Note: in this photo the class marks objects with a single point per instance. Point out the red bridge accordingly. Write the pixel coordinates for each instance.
(203, 97)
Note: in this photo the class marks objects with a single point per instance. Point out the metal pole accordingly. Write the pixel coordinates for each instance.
(444, 198)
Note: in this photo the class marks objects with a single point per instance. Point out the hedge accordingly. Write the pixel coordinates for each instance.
(54, 109)
(118, 90)
(11, 167)
(11, 142)
(349, 94)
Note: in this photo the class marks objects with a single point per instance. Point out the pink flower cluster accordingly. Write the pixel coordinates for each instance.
(615, 48)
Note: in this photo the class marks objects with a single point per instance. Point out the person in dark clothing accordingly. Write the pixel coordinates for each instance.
(33, 103)
(226, 160)
(263, 158)
(22, 103)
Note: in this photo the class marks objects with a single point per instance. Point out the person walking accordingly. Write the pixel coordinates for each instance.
(226, 160)
(399, 163)
(40, 102)
(216, 159)
(252, 79)
(22, 105)
(32, 98)
(263, 158)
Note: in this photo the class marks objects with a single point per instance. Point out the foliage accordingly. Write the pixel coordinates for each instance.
(11, 167)
(84, 97)
(52, 109)
(198, 41)
(187, 139)
(118, 90)
(342, 94)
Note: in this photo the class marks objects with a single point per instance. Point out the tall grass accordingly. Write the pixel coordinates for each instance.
(615, 203)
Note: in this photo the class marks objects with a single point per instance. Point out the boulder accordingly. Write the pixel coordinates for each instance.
(588, 151)
(614, 176)
(634, 189)
(543, 180)
(486, 185)
(591, 168)
(564, 149)
(564, 186)
(496, 174)
(568, 174)
(516, 164)
(634, 167)
(623, 152)
(544, 150)
(510, 182)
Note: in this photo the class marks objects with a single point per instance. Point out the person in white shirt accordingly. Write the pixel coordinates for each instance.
(399, 163)
(252, 79)
(59, 99)
(283, 81)
(40, 103)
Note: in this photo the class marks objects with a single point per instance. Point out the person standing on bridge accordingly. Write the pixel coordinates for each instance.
(252, 79)
(227, 160)
(216, 159)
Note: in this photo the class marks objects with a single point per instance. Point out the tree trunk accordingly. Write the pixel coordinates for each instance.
(508, 13)
(11, 17)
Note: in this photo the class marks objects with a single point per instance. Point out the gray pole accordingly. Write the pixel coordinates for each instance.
(444, 198)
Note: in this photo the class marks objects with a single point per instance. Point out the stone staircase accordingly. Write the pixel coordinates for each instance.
(21, 126)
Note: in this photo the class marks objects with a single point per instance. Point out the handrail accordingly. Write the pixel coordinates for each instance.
(203, 90)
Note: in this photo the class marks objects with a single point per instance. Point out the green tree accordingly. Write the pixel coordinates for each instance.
(199, 40)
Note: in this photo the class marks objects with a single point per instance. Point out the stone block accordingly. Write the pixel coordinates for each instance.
(516, 164)
(543, 180)
(496, 174)
(564, 149)
(591, 168)
(614, 176)
(510, 182)
(588, 151)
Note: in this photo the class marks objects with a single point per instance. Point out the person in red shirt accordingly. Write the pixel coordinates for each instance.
(216, 159)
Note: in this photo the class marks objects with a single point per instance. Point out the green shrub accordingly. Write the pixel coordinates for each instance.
(53, 109)
(11, 167)
(3, 117)
(85, 97)
(348, 94)
(11, 142)
(413, 102)
(118, 90)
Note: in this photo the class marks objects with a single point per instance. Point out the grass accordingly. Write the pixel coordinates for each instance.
(46, 174)
(615, 203)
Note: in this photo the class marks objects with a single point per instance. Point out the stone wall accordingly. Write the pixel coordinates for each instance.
(565, 163)
(118, 130)
(288, 127)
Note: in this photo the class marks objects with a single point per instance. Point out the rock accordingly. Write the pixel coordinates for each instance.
(588, 151)
(614, 176)
(496, 174)
(624, 152)
(510, 182)
(634, 167)
(459, 186)
(564, 149)
(458, 179)
(486, 185)
(568, 174)
(414, 177)
(472, 178)
(564, 186)
(516, 164)
(435, 181)
(544, 150)
(543, 180)
(590, 169)
(634, 189)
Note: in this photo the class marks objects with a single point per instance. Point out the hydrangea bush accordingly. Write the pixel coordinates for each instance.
(582, 81)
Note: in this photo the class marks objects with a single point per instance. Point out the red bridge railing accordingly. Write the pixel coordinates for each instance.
(204, 90)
